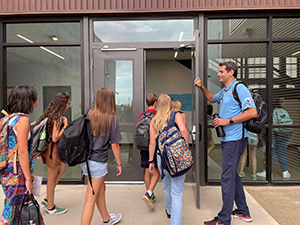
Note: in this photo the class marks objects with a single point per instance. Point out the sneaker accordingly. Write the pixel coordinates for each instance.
(168, 215)
(286, 174)
(153, 197)
(113, 219)
(254, 177)
(237, 214)
(148, 200)
(44, 204)
(55, 211)
(215, 221)
(262, 174)
(242, 174)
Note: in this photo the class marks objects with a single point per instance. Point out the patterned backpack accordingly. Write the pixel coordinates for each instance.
(175, 154)
(4, 137)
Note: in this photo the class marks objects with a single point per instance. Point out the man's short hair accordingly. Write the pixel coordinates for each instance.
(230, 66)
(151, 99)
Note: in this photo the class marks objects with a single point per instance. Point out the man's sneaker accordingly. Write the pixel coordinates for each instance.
(168, 215)
(149, 201)
(113, 219)
(215, 221)
(237, 214)
(153, 197)
(242, 174)
(286, 174)
(55, 211)
(44, 204)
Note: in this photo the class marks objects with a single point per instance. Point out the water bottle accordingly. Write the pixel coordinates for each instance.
(219, 129)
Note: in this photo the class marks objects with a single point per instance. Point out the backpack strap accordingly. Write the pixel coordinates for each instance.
(89, 131)
(171, 122)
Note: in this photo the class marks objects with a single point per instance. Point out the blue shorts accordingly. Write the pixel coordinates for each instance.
(97, 169)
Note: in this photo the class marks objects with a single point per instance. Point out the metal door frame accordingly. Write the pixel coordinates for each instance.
(99, 55)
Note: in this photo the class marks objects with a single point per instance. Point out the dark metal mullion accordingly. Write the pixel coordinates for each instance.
(1, 66)
(238, 41)
(44, 44)
(279, 40)
(269, 100)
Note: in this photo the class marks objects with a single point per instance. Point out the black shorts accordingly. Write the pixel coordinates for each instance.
(145, 159)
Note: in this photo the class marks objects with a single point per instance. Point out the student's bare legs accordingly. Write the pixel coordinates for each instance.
(91, 200)
(243, 160)
(153, 180)
(253, 159)
(53, 177)
(147, 178)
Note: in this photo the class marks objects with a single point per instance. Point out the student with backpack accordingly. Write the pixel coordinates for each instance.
(56, 124)
(106, 134)
(142, 128)
(176, 106)
(233, 143)
(280, 138)
(16, 174)
(172, 186)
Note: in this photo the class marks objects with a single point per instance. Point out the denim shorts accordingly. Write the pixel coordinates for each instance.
(97, 169)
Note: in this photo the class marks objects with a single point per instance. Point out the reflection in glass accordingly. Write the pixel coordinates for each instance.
(286, 74)
(239, 28)
(286, 28)
(119, 78)
(144, 30)
(251, 62)
(126, 147)
(45, 71)
(43, 32)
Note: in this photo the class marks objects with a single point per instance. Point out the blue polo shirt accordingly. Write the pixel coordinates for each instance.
(229, 108)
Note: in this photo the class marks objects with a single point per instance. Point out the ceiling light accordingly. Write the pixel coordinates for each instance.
(54, 38)
(181, 35)
(295, 53)
(24, 38)
(53, 53)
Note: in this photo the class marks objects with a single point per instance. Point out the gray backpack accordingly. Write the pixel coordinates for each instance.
(40, 137)
(142, 135)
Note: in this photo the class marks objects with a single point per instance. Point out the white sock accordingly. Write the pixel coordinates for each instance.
(149, 192)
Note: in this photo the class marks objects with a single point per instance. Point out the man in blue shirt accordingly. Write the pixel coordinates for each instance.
(233, 145)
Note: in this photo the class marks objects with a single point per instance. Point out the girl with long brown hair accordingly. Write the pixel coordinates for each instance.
(56, 124)
(106, 134)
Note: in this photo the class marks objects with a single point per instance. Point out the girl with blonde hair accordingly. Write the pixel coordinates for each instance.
(176, 106)
(106, 133)
(172, 187)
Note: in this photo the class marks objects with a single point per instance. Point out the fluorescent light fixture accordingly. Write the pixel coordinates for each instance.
(47, 50)
(181, 35)
(24, 38)
(53, 53)
(295, 53)
(175, 54)
(54, 38)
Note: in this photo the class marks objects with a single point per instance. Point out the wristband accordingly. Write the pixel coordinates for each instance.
(152, 161)
(119, 165)
(63, 128)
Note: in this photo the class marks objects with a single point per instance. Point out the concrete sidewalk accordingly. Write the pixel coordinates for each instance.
(127, 199)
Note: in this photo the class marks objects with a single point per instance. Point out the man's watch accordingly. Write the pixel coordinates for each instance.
(231, 121)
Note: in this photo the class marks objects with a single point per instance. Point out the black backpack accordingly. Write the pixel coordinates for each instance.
(255, 125)
(142, 135)
(76, 143)
(30, 211)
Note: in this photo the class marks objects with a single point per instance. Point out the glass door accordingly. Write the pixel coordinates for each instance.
(121, 70)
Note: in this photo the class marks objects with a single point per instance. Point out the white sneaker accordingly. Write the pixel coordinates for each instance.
(113, 219)
(262, 174)
(286, 174)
